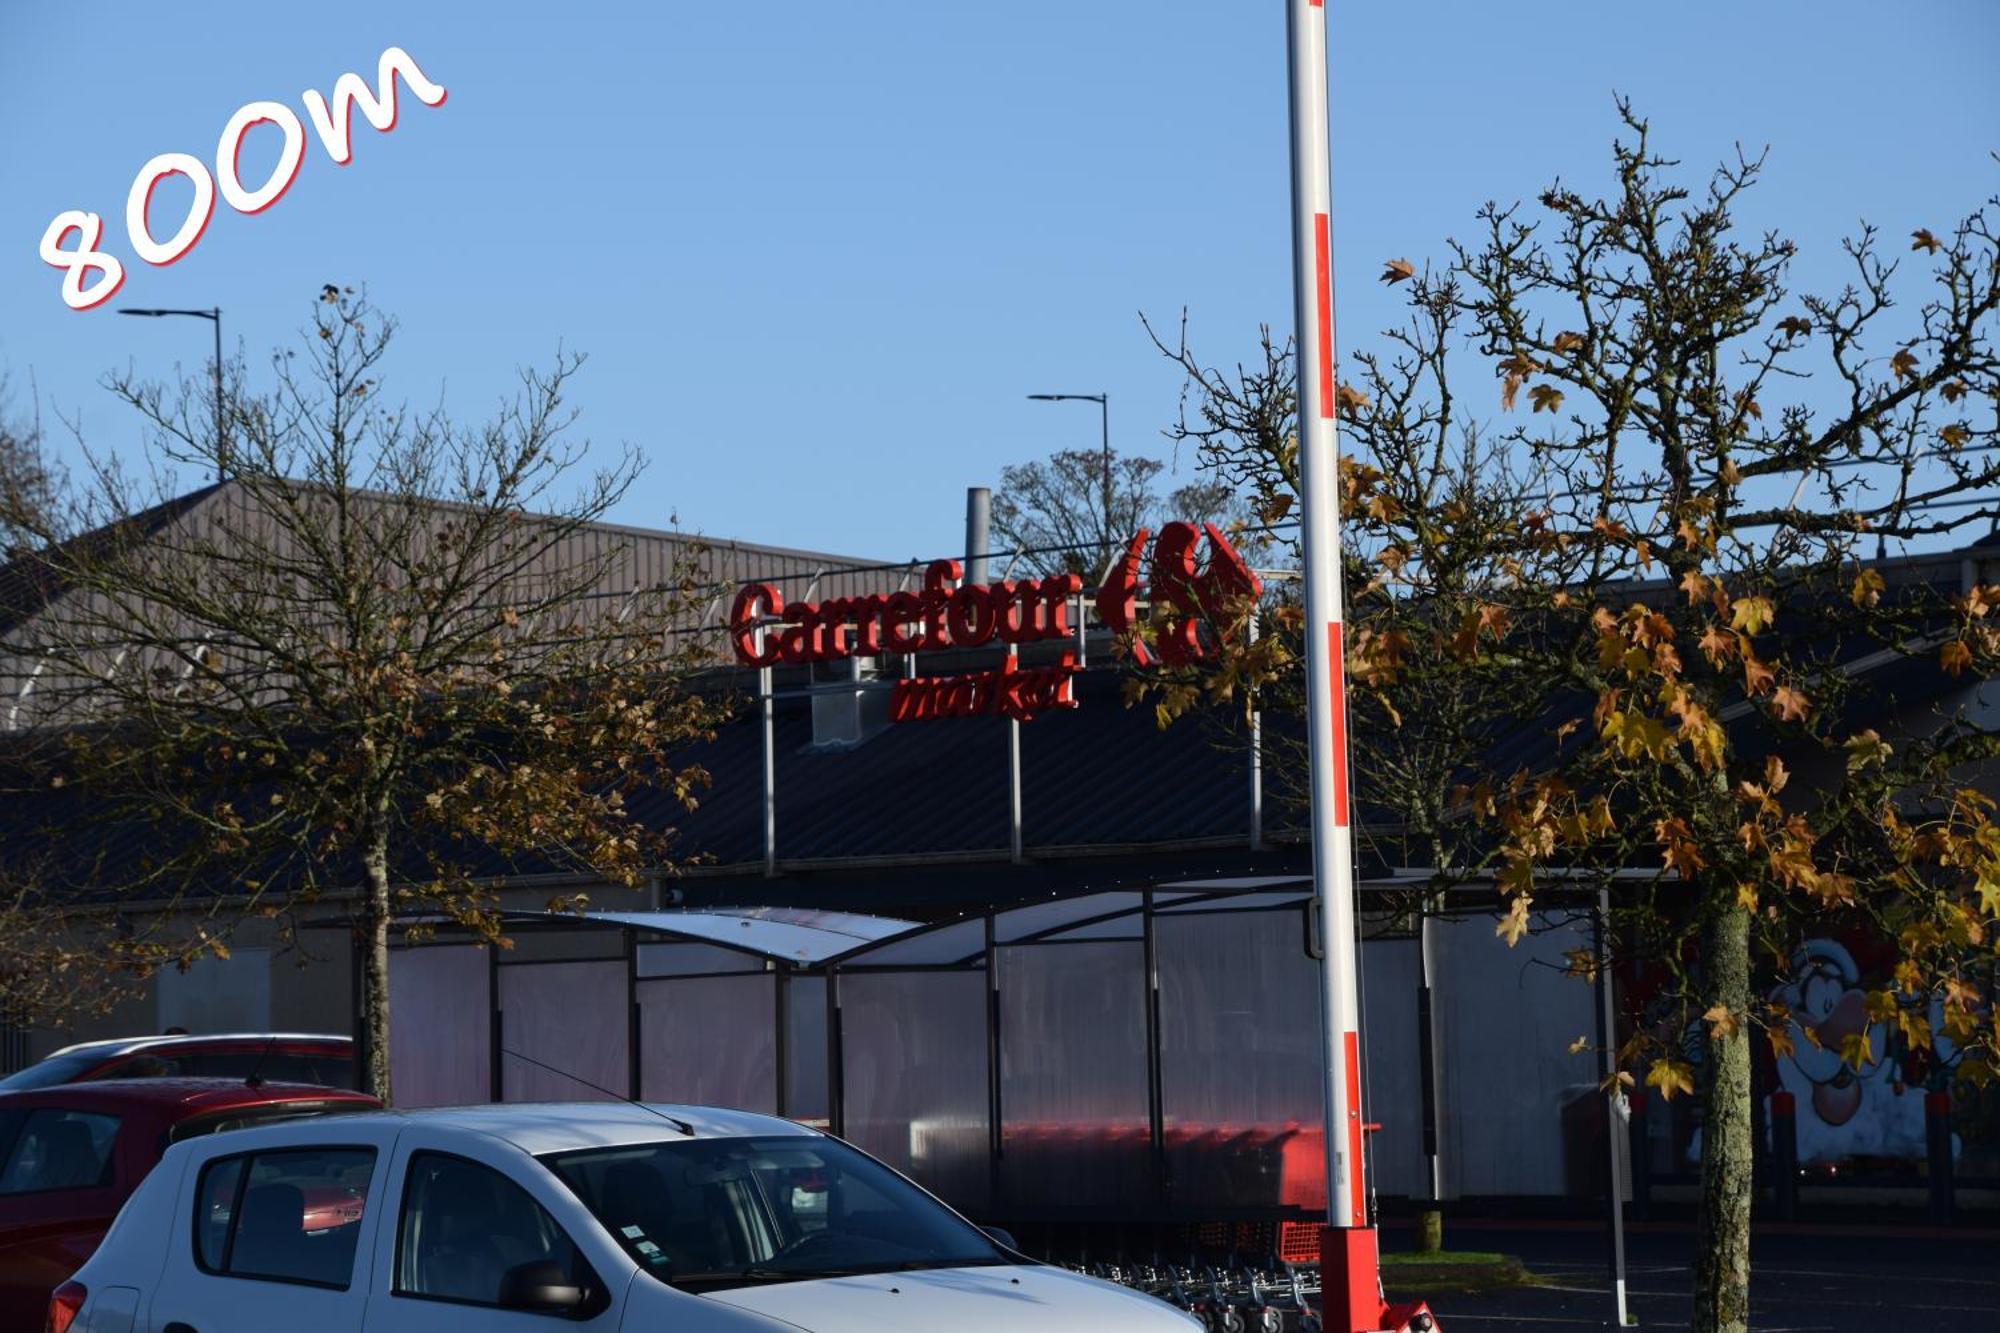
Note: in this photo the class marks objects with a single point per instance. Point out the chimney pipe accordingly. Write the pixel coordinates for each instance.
(978, 520)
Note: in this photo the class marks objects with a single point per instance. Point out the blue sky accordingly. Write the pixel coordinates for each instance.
(818, 254)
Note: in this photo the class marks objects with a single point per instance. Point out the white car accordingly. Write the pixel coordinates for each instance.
(605, 1216)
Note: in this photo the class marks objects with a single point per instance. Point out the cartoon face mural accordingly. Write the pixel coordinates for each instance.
(1842, 1112)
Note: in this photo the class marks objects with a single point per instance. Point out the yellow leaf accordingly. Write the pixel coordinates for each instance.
(1546, 398)
(1903, 364)
(1751, 614)
(1515, 924)
(1721, 1023)
(1746, 897)
(1397, 270)
(1857, 1049)
(1955, 435)
(1868, 586)
(1955, 657)
(1670, 1077)
(1865, 748)
(1580, 1045)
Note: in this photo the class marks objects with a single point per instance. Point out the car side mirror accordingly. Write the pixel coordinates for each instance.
(1003, 1238)
(540, 1286)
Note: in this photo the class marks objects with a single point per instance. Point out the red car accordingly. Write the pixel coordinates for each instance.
(70, 1155)
(276, 1057)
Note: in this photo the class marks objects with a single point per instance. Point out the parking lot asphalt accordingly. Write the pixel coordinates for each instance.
(1844, 1281)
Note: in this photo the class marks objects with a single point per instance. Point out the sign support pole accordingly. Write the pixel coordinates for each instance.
(1349, 1278)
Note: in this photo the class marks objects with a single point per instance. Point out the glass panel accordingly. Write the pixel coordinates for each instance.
(709, 1041)
(1073, 1076)
(1240, 1061)
(1505, 1018)
(301, 1216)
(805, 1065)
(447, 1059)
(465, 1226)
(571, 1017)
(693, 960)
(215, 1204)
(60, 1150)
(913, 1049)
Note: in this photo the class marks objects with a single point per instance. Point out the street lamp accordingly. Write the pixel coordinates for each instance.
(1103, 401)
(214, 317)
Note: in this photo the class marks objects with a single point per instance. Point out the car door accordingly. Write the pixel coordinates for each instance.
(58, 1193)
(479, 1229)
(276, 1236)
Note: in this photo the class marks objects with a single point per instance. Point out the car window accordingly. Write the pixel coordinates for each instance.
(142, 1065)
(712, 1213)
(59, 1150)
(286, 1216)
(465, 1226)
(55, 1070)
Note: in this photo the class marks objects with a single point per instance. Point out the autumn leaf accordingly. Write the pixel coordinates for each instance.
(1955, 657)
(1757, 678)
(1868, 586)
(1717, 645)
(1953, 390)
(1857, 1049)
(1903, 364)
(1350, 399)
(1397, 270)
(1515, 924)
(1790, 704)
(1955, 435)
(1567, 342)
(1751, 615)
(1546, 398)
(1866, 748)
(1670, 1077)
(1795, 326)
(1579, 1046)
(1695, 585)
(1721, 1023)
(1921, 239)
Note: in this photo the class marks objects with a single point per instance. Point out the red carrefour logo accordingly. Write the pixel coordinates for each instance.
(1193, 592)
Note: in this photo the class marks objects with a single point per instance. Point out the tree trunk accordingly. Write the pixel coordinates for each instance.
(372, 1027)
(1722, 1233)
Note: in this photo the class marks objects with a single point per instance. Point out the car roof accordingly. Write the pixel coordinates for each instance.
(178, 1098)
(127, 1045)
(547, 1127)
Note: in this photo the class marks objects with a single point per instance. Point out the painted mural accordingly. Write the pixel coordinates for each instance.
(1877, 1111)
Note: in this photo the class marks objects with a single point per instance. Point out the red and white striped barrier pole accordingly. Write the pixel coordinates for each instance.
(1351, 1291)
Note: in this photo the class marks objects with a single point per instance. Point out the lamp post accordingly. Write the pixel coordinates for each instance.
(214, 317)
(1103, 401)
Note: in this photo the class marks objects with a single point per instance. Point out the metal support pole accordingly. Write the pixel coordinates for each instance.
(1427, 1067)
(1014, 789)
(1616, 1110)
(1256, 761)
(221, 416)
(764, 686)
(1350, 1282)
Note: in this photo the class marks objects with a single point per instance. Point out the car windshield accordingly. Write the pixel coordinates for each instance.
(55, 1070)
(707, 1214)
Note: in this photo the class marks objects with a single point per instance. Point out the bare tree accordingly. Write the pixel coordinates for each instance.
(386, 658)
(27, 484)
(1060, 511)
